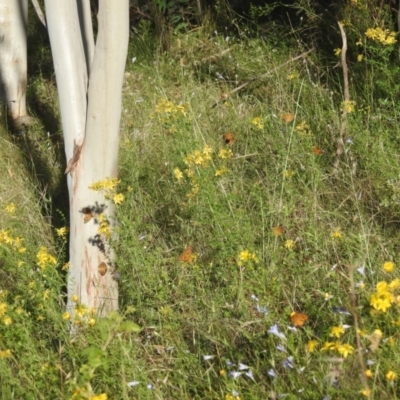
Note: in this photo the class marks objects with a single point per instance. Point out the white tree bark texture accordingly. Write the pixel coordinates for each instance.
(89, 80)
(13, 56)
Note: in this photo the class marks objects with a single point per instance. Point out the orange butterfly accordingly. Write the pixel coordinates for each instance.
(186, 256)
(317, 151)
(278, 230)
(88, 216)
(287, 117)
(298, 319)
(229, 138)
(102, 268)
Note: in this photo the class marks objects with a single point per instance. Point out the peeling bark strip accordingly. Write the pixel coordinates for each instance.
(75, 158)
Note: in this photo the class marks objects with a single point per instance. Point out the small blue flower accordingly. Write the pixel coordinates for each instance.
(254, 297)
(229, 363)
(263, 309)
(288, 363)
(235, 374)
(281, 348)
(243, 367)
(340, 310)
(249, 373)
(275, 331)
(361, 270)
(272, 373)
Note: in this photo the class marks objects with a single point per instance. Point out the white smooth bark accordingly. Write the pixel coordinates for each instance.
(91, 120)
(98, 161)
(85, 22)
(13, 56)
(70, 68)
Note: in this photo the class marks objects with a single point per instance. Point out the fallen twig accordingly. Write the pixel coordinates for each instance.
(346, 103)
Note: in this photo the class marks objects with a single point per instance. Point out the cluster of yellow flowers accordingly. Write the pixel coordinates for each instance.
(169, 112)
(384, 297)
(82, 315)
(201, 159)
(383, 36)
(165, 106)
(245, 257)
(303, 129)
(109, 187)
(44, 259)
(258, 123)
(15, 243)
(349, 106)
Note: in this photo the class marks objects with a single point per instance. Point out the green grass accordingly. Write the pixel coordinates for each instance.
(217, 303)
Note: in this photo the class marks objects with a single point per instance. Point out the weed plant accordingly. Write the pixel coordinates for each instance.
(248, 267)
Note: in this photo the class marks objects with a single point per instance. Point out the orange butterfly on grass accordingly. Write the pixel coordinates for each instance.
(278, 230)
(287, 117)
(229, 138)
(317, 151)
(298, 319)
(186, 256)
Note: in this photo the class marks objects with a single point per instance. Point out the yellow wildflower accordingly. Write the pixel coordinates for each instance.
(337, 52)
(366, 392)
(289, 244)
(75, 298)
(288, 173)
(337, 331)
(329, 346)
(102, 396)
(246, 256)
(118, 198)
(349, 106)
(303, 129)
(80, 310)
(381, 301)
(5, 353)
(369, 373)
(7, 321)
(225, 154)
(388, 266)
(178, 174)
(394, 284)
(222, 171)
(10, 208)
(391, 376)
(66, 316)
(3, 309)
(44, 259)
(383, 36)
(62, 232)
(360, 57)
(311, 345)
(337, 234)
(345, 349)
(258, 123)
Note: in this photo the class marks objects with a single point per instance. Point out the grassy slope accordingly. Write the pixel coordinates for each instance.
(206, 306)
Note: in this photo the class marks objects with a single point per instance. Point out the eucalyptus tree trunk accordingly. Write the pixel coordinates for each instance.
(13, 56)
(89, 79)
